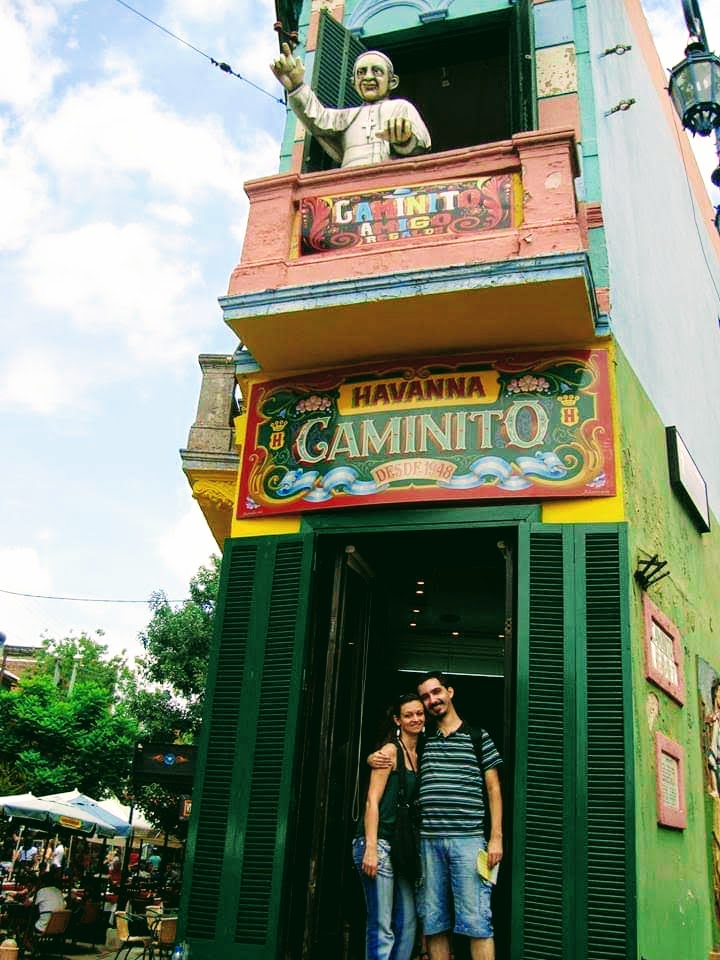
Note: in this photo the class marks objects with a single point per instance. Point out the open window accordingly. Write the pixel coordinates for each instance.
(470, 78)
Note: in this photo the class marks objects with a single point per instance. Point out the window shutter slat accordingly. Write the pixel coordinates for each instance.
(544, 828)
(233, 614)
(607, 850)
(262, 859)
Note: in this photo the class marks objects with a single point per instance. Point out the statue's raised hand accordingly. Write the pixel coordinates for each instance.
(289, 70)
(398, 131)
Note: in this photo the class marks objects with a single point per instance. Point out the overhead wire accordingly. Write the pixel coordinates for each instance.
(43, 596)
(225, 67)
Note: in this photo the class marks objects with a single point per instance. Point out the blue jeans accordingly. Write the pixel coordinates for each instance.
(390, 902)
(453, 896)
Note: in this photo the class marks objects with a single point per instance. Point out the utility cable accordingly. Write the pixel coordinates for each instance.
(42, 596)
(225, 67)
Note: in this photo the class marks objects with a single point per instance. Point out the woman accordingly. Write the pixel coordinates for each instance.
(389, 898)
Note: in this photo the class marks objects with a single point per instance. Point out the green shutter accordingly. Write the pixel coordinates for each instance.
(573, 857)
(610, 842)
(232, 899)
(541, 782)
(335, 55)
(211, 804)
(258, 912)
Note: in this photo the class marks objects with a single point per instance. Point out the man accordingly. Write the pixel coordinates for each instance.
(452, 815)
(453, 896)
(353, 136)
(48, 899)
(58, 855)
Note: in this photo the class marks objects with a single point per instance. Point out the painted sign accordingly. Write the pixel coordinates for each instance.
(532, 425)
(455, 209)
(72, 823)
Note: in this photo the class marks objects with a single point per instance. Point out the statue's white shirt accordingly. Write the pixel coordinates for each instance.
(349, 134)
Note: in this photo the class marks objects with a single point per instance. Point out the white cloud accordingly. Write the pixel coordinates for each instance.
(171, 213)
(203, 12)
(109, 134)
(28, 68)
(670, 32)
(131, 281)
(199, 10)
(21, 567)
(186, 544)
(23, 193)
(44, 382)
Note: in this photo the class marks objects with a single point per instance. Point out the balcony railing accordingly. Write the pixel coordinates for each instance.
(533, 174)
(343, 265)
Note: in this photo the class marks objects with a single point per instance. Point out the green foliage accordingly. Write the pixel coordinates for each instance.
(63, 727)
(177, 643)
(162, 809)
(11, 781)
(168, 705)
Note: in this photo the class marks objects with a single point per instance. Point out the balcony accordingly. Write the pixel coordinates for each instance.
(463, 250)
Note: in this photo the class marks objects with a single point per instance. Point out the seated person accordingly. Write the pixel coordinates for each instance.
(48, 898)
(88, 922)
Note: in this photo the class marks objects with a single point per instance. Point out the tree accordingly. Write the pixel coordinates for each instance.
(64, 726)
(177, 644)
(167, 706)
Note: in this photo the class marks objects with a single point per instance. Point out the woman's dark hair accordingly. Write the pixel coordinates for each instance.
(394, 711)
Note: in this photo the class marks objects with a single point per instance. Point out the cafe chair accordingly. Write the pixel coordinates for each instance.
(50, 941)
(130, 941)
(164, 938)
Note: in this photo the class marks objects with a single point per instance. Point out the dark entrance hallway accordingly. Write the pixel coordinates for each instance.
(387, 608)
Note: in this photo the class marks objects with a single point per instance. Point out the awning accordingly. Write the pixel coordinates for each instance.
(54, 813)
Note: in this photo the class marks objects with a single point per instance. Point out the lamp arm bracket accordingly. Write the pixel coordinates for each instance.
(694, 21)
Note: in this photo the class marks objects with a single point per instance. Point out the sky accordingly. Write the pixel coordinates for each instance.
(122, 159)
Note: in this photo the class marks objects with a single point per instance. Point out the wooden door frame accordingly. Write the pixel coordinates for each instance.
(330, 525)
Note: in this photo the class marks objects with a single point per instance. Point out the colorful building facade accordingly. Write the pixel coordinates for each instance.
(477, 433)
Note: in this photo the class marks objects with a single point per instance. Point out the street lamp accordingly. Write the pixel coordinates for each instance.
(695, 85)
(695, 89)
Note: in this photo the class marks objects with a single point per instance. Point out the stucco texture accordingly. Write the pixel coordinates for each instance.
(675, 895)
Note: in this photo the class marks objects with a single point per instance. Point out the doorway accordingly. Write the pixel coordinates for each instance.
(387, 608)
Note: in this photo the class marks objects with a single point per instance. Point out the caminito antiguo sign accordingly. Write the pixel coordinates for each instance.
(530, 425)
(448, 209)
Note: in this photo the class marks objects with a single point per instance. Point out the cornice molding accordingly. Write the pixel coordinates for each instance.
(217, 493)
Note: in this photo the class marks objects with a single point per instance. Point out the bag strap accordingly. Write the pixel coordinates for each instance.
(402, 789)
(476, 735)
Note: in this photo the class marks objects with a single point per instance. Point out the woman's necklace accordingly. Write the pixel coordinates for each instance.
(413, 764)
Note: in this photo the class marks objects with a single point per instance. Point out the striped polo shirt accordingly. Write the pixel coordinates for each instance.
(451, 790)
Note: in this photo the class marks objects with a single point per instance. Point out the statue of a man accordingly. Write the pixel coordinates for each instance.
(372, 133)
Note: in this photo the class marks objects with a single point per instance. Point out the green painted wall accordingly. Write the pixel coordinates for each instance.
(675, 897)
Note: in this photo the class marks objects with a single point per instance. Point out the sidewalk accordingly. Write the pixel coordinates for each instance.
(82, 952)
(104, 953)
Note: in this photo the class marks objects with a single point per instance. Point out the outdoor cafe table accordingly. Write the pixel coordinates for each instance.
(17, 917)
